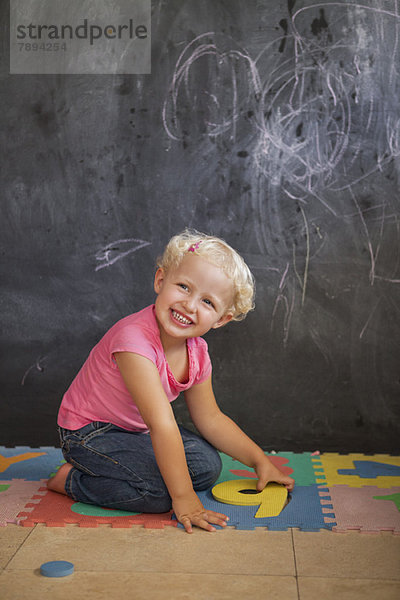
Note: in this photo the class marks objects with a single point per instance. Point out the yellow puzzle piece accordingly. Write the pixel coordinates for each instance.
(272, 499)
(331, 463)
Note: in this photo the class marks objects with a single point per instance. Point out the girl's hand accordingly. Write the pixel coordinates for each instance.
(267, 472)
(190, 511)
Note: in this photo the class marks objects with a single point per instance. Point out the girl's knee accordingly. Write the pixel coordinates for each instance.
(215, 464)
(209, 471)
(160, 504)
(204, 461)
(148, 503)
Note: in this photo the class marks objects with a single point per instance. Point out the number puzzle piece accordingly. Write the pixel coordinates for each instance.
(369, 469)
(393, 497)
(359, 509)
(243, 492)
(6, 461)
(307, 511)
(333, 465)
(55, 510)
(91, 510)
(302, 465)
(14, 497)
(31, 464)
(228, 464)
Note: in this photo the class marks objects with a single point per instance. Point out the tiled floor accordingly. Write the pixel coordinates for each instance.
(169, 564)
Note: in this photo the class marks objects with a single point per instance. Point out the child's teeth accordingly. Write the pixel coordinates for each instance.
(180, 318)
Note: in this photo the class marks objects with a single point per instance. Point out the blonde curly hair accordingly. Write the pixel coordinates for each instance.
(217, 252)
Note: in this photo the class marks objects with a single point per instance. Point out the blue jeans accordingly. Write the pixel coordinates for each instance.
(117, 468)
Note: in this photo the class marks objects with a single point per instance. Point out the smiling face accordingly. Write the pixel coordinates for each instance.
(191, 300)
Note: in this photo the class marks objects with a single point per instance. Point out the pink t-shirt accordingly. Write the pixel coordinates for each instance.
(98, 392)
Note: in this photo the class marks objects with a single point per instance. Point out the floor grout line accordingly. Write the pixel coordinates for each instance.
(19, 547)
(295, 564)
(359, 577)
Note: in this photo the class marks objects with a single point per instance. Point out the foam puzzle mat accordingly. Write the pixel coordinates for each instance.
(336, 492)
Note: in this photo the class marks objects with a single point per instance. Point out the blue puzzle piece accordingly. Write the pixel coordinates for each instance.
(304, 511)
(369, 469)
(34, 468)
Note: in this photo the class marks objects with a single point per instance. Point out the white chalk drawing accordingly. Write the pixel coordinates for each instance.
(117, 250)
(38, 365)
(318, 114)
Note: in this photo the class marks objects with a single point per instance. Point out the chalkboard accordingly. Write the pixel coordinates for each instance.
(273, 124)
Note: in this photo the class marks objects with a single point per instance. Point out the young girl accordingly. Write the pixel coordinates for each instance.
(118, 433)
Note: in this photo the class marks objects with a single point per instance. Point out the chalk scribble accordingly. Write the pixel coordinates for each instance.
(38, 365)
(117, 250)
(318, 112)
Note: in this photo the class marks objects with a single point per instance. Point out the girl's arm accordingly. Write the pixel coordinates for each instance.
(142, 379)
(220, 431)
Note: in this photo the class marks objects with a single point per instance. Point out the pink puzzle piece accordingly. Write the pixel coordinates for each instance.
(357, 509)
(17, 495)
(55, 510)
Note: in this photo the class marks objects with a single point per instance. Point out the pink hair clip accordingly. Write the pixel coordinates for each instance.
(194, 247)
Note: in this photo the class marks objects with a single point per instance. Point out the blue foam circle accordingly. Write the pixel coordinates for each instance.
(57, 568)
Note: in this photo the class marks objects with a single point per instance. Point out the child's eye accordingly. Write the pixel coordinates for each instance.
(183, 286)
(208, 302)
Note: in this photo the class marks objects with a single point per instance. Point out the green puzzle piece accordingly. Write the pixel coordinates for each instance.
(302, 464)
(394, 497)
(4, 487)
(90, 510)
(229, 463)
(303, 469)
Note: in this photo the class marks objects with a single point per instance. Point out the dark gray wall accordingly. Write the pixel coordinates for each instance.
(273, 124)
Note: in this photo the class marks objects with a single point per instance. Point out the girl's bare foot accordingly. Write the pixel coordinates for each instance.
(57, 483)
